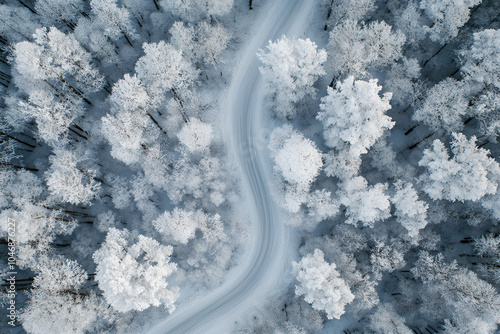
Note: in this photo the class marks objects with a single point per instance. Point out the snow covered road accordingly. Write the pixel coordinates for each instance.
(265, 258)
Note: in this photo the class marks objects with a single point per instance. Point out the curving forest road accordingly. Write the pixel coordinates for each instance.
(264, 261)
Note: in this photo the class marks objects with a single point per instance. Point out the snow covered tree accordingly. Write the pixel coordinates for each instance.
(36, 227)
(130, 128)
(53, 12)
(342, 163)
(468, 176)
(353, 114)
(180, 225)
(57, 74)
(196, 135)
(447, 17)
(129, 94)
(162, 69)
(444, 106)
(464, 294)
(386, 257)
(17, 23)
(183, 37)
(321, 206)
(402, 81)
(51, 59)
(291, 66)
(55, 304)
(411, 23)
(53, 115)
(213, 40)
(410, 211)
(480, 61)
(56, 274)
(128, 134)
(62, 313)
(132, 271)
(205, 179)
(354, 49)
(68, 180)
(480, 64)
(298, 161)
(194, 10)
(365, 204)
(113, 20)
(386, 320)
(321, 285)
(488, 248)
(342, 10)
(92, 37)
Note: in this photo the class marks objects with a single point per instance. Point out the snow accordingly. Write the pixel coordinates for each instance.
(261, 267)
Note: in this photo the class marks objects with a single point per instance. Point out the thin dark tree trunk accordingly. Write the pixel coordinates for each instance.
(18, 167)
(77, 133)
(156, 5)
(156, 122)
(16, 139)
(179, 100)
(434, 55)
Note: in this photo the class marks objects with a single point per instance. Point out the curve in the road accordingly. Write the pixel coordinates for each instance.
(262, 264)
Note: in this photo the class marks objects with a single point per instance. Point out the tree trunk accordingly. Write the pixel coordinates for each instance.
(417, 143)
(179, 100)
(79, 128)
(16, 139)
(77, 133)
(156, 5)
(156, 122)
(18, 167)
(25, 5)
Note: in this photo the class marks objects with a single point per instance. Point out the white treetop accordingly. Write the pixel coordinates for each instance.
(481, 60)
(480, 69)
(349, 10)
(365, 204)
(321, 285)
(213, 40)
(181, 224)
(57, 11)
(194, 10)
(196, 135)
(53, 116)
(132, 272)
(56, 72)
(354, 113)
(297, 160)
(66, 179)
(17, 23)
(164, 68)
(35, 223)
(129, 94)
(58, 274)
(411, 23)
(386, 320)
(353, 49)
(113, 20)
(447, 16)
(63, 313)
(469, 175)
(290, 68)
(411, 212)
(444, 106)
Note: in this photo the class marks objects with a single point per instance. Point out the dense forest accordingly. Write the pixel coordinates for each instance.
(121, 201)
